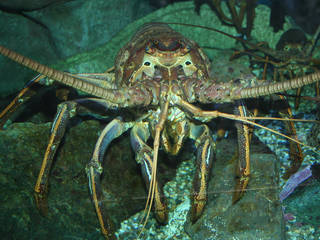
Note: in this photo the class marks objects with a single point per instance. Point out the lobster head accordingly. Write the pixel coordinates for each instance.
(159, 53)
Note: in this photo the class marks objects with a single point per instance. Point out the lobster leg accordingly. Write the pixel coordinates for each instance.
(94, 170)
(295, 154)
(31, 88)
(65, 111)
(298, 98)
(205, 152)
(144, 156)
(25, 94)
(243, 169)
(295, 151)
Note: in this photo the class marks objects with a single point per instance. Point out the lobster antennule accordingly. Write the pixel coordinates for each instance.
(278, 87)
(64, 78)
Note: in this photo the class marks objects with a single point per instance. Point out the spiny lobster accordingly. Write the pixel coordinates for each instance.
(164, 76)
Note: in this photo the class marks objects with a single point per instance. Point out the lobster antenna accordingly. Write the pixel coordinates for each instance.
(277, 87)
(153, 182)
(64, 78)
(214, 114)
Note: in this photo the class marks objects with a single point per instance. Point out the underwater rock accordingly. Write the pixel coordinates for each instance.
(258, 214)
(27, 41)
(26, 5)
(71, 213)
(60, 30)
(303, 205)
(81, 25)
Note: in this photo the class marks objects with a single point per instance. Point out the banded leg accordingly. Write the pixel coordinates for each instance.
(94, 170)
(299, 90)
(298, 98)
(295, 151)
(24, 95)
(30, 89)
(144, 156)
(65, 111)
(205, 153)
(173, 146)
(243, 169)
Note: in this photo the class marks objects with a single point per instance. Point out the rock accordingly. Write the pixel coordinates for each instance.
(26, 5)
(257, 215)
(71, 213)
(25, 40)
(79, 26)
(303, 203)
(60, 30)
(303, 207)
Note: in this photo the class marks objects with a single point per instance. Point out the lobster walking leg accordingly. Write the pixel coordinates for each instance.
(144, 156)
(205, 152)
(65, 111)
(94, 170)
(243, 168)
(25, 94)
(295, 151)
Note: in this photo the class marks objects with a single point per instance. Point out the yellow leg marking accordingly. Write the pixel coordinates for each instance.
(201, 197)
(7, 109)
(203, 169)
(181, 132)
(96, 203)
(160, 208)
(246, 133)
(16, 99)
(296, 155)
(48, 150)
(244, 170)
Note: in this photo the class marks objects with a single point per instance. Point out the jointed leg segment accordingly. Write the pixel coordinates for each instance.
(243, 168)
(66, 110)
(205, 153)
(26, 93)
(144, 156)
(94, 170)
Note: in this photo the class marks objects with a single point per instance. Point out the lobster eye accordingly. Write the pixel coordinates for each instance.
(146, 63)
(187, 62)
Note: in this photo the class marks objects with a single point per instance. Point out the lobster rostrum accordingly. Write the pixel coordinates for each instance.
(164, 76)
